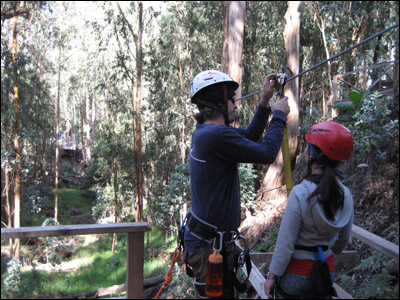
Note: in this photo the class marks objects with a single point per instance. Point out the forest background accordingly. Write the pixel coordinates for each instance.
(117, 75)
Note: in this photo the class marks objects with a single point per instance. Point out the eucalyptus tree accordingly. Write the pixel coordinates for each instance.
(233, 26)
(280, 169)
(22, 85)
(130, 61)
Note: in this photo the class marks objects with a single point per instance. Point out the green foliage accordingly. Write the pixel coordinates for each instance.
(176, 195)
(311, 117)
(12, 281)
(356, 102)
(247, 177)
(51, 244)
(15, 283)
(181, 286)
(38, 199)
(95, 267)
(380, 285)
(269, 244)
(371, 127)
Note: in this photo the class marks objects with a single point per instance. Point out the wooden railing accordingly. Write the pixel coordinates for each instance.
(135, 250)
(257, 278)
(362, 80)
(135, 245)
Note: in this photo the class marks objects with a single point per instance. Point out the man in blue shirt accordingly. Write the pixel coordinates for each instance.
(216, 150)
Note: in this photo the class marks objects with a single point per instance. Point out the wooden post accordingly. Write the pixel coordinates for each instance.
(134, 267)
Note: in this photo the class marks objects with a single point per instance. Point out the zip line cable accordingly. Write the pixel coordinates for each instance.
(298, 75)
(289, 79)
(331, 58)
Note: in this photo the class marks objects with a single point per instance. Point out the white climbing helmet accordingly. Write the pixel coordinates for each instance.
(210, 77)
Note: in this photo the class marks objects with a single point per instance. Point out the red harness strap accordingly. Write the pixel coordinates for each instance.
(303, 266)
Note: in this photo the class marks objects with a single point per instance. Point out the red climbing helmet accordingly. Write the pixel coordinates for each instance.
(334, 139)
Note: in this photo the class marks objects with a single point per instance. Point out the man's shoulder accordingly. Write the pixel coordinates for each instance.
(213, 130)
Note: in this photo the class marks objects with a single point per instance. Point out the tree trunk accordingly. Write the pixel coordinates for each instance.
(233, 42)
(87, 129)
(17, 150)
(138, 140)
(57, 137)
(94, 114)
(7, 205)
(275, 174)
(115, 172)
(322, 26)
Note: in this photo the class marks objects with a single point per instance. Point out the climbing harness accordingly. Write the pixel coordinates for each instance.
(209, 233)
(320, 284)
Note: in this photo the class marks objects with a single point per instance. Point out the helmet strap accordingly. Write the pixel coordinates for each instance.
(315, 156)
(218, 108)
(226, 114)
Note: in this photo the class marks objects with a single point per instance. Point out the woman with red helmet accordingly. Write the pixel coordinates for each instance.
(317, 220)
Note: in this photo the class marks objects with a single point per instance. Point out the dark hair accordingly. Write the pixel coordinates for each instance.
(206, 113)
(328, 191)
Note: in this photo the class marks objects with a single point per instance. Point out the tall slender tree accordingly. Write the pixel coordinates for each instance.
(17, 150)
(233, 27)
(275, 175)
(57, 137)
(138, 127)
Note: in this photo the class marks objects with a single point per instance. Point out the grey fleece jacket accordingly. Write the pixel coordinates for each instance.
(304, 223)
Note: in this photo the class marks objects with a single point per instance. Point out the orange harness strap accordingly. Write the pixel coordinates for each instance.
(168, 276)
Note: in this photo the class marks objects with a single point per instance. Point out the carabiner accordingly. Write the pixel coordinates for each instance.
(221, 241)
(281, 80)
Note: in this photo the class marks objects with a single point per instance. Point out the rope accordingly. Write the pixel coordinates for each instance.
(168, 276)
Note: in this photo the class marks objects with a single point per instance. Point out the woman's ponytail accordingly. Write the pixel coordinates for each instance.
(328, 192)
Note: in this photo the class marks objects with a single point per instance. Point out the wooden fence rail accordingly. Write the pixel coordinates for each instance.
(135, 245)
(135, 250)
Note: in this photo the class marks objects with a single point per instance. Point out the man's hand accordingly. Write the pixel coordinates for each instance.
(268, 89)
(281, 105)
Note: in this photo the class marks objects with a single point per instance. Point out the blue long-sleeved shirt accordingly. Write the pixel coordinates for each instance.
(215, 153)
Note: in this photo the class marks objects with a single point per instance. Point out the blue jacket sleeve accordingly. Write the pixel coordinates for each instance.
(242, 146)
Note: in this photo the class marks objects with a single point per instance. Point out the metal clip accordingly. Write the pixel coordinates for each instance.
(221, 241)
(281, 80)
(241, 259)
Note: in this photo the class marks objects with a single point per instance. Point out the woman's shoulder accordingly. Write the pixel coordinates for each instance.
(305, 187)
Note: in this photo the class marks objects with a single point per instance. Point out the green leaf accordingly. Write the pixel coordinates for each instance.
(345, 106)
(356, 98)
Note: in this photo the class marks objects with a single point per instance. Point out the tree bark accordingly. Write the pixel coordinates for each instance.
(57, 137)
(138, 139)
(233, 26)
(17, 150)
(87, 128)
(275, 174)
(7, 205)
(115, 172)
